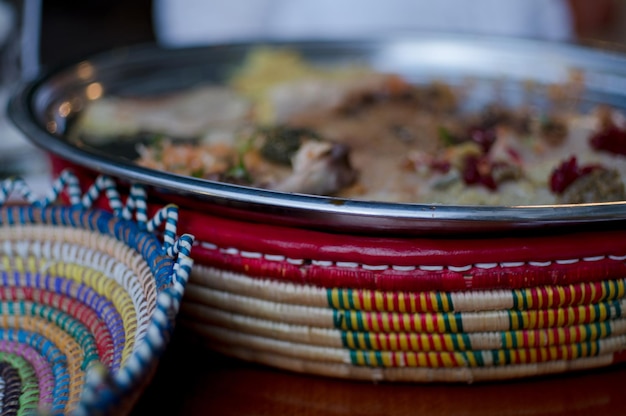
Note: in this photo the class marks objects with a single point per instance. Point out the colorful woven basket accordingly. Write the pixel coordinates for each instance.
(406, 309)
(88, 299)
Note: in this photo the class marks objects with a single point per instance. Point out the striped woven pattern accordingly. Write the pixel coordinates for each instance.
(406, 308)
(88, 297)
(416, 310)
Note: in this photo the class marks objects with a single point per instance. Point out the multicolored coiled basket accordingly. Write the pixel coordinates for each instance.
(405, 309)
(408, 309)
(89, 296)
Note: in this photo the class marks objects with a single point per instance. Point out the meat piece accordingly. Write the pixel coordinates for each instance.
(319, 168)
(279, 144)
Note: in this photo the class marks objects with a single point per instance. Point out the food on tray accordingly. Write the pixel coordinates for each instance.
(285, 124)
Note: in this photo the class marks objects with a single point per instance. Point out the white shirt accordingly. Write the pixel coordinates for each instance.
(197, 22)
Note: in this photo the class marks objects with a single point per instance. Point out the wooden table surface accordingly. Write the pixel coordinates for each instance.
(192, 380)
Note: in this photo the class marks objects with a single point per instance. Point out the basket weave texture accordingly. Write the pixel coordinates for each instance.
(409, 309)
(89, 297)
(405, 308)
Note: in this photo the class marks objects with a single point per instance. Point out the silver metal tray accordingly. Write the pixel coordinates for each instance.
(148, 69)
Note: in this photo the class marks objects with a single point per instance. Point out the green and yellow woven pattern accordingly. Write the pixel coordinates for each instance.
(409, 335)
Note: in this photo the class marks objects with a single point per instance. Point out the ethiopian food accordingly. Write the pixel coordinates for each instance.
(283, 124)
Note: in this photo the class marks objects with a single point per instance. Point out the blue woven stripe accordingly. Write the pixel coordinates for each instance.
(10, 217)
(147, 244)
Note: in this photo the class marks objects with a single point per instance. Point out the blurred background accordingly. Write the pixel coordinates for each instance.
(71, 29)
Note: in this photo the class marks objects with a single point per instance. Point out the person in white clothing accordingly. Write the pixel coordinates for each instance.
(196, 22)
